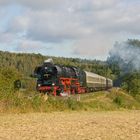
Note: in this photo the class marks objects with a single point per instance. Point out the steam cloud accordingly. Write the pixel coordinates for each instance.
(126, 55)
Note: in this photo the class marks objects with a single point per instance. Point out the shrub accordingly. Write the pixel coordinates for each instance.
(118, 100)
(7, 79)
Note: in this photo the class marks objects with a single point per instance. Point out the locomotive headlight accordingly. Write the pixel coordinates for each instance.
(39, 85)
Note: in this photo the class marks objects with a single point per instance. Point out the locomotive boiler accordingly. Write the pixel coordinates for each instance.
(63, 80)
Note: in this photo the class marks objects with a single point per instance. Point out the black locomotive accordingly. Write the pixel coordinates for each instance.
(60, 80)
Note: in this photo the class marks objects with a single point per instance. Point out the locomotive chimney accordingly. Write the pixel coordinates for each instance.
(50, 60)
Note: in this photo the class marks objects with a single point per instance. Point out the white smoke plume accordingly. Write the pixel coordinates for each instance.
(126, 55)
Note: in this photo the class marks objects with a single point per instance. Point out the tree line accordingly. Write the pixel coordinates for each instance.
(26, 63)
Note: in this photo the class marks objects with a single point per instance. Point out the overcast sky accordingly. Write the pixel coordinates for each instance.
(69, 28)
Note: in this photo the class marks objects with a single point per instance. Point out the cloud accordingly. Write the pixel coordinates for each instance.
(41, 4)
(49, 4)
(91, 47)
(4, 2)
(19, 24)
(77, 19)
(49, 26)
(30, 46)
(7, 38)
(93, 26)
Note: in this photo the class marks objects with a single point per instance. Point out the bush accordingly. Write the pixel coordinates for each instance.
(132, 83)
(7, 78)
(118, 100)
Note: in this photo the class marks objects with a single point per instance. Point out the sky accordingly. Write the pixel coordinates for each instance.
(69, 28)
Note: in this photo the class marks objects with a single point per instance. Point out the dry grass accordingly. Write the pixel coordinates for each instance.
(117, 125)
(112, 100)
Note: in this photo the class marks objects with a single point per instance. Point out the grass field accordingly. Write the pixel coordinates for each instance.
(114, 99)
(83, 125)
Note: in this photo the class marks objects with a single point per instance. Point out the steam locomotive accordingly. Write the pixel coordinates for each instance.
(64, 80)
